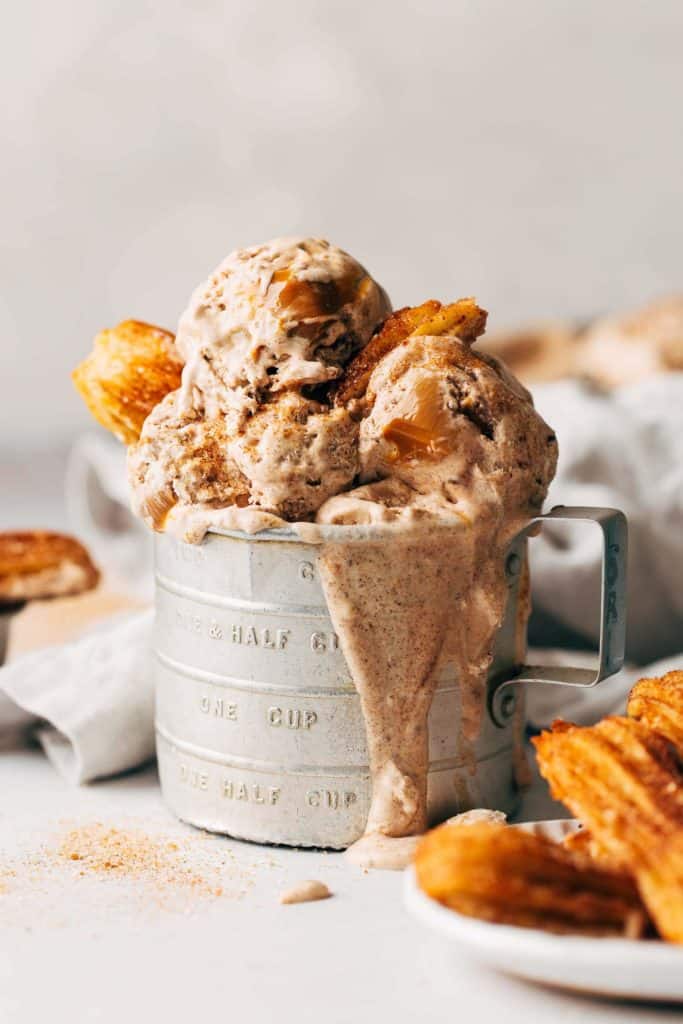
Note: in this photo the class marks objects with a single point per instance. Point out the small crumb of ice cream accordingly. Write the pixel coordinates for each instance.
(305, 892)
(476, 816)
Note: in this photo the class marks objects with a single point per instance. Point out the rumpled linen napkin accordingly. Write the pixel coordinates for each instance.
(90, 703)
(625, 451)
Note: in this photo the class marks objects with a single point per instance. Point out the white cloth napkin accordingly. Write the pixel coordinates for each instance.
(623, 450)
(92, 701)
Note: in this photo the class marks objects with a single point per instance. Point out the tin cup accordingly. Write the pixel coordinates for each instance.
(260, 733)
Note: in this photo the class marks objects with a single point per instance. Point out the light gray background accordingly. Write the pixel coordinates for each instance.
(528, 152)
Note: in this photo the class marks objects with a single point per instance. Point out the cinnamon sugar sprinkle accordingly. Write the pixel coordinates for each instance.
(131, 854)
(113, 868)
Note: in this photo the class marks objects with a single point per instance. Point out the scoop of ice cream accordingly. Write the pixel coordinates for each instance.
(620, 350)
(252, 427)
(439, 414)
(296, 453)
(453, 431)
(287, 314)
(182, 459)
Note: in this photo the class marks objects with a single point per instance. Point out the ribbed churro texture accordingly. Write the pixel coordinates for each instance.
(658, 704)
(509, 876)
(624, 782)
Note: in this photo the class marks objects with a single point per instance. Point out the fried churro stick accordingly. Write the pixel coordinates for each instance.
(509, 876)
(131, 368)
(658, 704)
(38, 564)
(463, 319)
(624, 782)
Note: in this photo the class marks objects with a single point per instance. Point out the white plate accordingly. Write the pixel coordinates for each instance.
(610, 967)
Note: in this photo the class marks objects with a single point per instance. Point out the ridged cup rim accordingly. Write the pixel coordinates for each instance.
(323, 533)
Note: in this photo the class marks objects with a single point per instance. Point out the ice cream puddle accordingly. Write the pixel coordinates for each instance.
(378, 852)
(387, 853)
(305, 892)
(304, 402)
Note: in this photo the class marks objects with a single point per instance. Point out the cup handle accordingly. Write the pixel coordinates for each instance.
(614, 530)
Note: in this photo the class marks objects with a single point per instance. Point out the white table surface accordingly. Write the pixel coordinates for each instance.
(96, 949)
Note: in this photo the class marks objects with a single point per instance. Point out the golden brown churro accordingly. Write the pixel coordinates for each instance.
(624, 782)
(508, 876)
(658, 704)
(463, 319)
(131, 368)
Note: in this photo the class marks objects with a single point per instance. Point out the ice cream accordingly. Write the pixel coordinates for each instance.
(288, 314)
(251, 434)
(302, 400)
(296, 453)
(182, 461)
(446, 432)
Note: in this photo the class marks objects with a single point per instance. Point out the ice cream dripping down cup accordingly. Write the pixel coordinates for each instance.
(260, 732)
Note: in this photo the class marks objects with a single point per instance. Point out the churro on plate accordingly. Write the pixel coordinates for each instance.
(623, 779)
(508, 876)
(624, 782)
(658, 704)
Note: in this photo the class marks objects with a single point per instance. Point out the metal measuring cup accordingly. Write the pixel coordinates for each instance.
(260, 733)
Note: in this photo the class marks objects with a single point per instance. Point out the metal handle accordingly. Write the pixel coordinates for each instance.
(614, 531)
